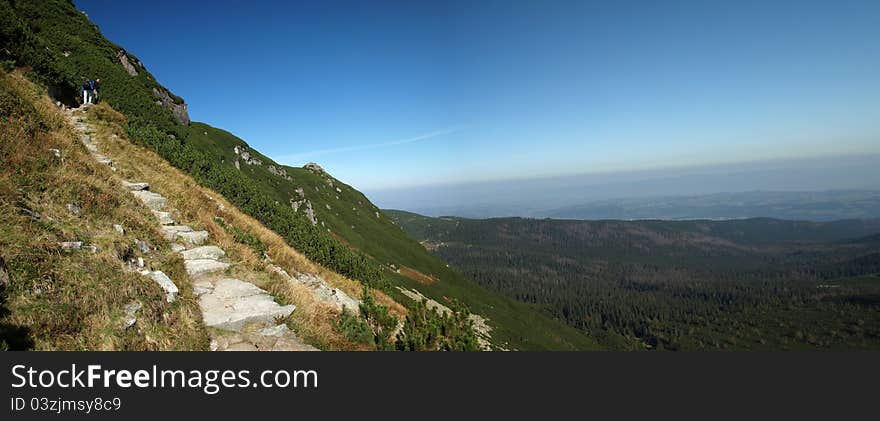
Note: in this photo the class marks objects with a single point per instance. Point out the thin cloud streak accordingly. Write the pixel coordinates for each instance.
(320, 152)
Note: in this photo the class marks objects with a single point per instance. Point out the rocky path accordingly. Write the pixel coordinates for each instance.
(240, 316)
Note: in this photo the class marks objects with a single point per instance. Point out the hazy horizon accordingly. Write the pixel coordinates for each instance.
(534, 197)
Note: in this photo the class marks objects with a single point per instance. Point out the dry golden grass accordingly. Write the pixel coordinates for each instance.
(198, 206)
(416, 275)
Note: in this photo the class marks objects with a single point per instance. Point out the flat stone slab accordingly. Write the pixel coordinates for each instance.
(135, 186)
(165, 282)
(194, 238)
(203, 252)
(177, 247)
(170, 231)
(196, 267)
(152, 200)
(233, 303)
(163, 217)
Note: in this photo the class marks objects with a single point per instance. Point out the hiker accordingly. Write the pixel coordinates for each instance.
(96, 86)
(87, 92)
(90, 91)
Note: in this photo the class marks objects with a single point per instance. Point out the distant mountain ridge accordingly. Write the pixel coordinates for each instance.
(807, 205)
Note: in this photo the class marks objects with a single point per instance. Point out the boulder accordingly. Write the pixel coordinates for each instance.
(119, 229)
(129, 317)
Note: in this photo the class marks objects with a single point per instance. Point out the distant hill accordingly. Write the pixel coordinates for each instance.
(808, 206)
(739, 284)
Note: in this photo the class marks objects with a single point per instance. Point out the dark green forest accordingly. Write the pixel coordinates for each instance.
(755, 284)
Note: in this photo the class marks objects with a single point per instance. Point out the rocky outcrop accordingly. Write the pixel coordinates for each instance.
(313, 167)
(321, 290)
(126, 63)
(281, 172)
(246, 156)
(478, 323)
(177, 110)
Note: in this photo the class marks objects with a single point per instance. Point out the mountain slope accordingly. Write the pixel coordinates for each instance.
(348, 234)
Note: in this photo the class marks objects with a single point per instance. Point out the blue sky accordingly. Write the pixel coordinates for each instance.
(397, 94)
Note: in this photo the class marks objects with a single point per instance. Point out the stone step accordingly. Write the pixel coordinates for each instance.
(103, 159)
(170, 231)
(163, 217)
(164, 282)
(196, 267)
(152, 200)
(203, 252)
(135, 186)
(193, 238)
(230, 304)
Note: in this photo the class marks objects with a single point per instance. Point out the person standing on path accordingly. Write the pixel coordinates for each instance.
(87, 92)
(96, 86)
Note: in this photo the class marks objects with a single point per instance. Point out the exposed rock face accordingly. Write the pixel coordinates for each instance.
(313, 167)
(126, 64)
(130, 314)
(246, 157)
(478, 323)
(281, 172)
(178, 110)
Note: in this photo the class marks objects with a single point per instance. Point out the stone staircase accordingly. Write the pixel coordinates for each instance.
(240, 316)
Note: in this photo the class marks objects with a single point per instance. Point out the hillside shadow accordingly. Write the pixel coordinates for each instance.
(12, 337)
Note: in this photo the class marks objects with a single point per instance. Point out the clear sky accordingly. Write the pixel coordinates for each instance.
(395, 94)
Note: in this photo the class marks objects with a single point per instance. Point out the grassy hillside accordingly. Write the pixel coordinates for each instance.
(52, 192)
(346, 233)
(746, 284)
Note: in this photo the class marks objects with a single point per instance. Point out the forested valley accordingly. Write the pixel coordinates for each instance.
(754, 284)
